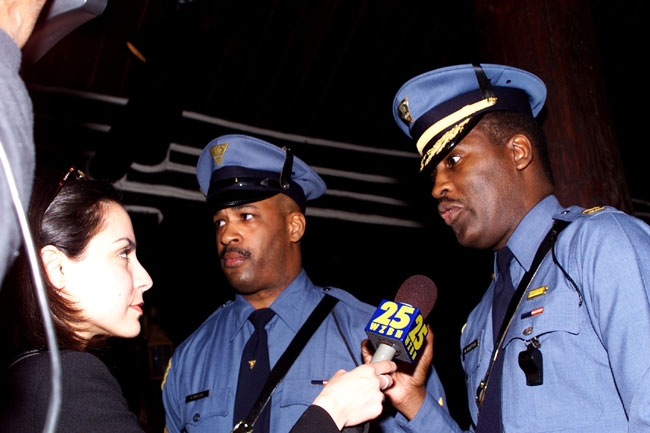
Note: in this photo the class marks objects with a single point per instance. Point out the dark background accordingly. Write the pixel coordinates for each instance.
(320, 77)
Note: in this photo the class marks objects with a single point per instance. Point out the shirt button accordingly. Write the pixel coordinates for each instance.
(528, 330)
(196, 417)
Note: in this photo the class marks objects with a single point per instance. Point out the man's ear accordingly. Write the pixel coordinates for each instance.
(53, 260)
(521, 150)
(297, 224)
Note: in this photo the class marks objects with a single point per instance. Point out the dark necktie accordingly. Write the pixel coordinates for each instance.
(503, 290)
(489, 420)
(254, 371)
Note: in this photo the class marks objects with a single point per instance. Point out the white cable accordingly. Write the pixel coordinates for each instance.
(54, 406)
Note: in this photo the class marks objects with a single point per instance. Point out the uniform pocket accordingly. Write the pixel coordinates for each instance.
(561, 313)
(566, 397)
(208, 413)
(298, 392)
(558, 311)
(474, 355)
(471, 356)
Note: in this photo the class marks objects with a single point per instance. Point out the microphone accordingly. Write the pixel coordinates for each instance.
(397, 328)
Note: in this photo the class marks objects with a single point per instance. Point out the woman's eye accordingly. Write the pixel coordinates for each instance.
(125, 254)
(219, 223)
(246, 216)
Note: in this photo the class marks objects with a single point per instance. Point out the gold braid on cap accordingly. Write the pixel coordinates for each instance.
(454, 117)
(442, 142)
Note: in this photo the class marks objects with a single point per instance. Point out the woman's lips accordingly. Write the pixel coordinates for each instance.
(138, 307)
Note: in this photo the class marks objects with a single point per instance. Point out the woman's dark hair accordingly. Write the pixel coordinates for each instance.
(66, 217)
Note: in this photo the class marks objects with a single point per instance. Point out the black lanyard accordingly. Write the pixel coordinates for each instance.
(543, 249)
(286, 361)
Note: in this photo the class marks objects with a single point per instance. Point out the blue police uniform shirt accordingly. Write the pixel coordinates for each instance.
(201, 382)
(595, 343)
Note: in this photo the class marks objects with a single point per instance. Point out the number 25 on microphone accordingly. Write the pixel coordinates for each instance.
(401, 325)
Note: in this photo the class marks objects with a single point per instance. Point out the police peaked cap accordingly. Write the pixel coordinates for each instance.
(234, 170)
(438, 108)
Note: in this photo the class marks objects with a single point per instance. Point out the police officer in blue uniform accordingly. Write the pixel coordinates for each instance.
(568, 310)
(257, 193)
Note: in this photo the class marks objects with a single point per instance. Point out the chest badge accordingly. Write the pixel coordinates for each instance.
(537, 292)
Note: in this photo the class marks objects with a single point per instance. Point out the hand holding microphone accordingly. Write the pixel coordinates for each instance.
(398, 329)
(352, 397)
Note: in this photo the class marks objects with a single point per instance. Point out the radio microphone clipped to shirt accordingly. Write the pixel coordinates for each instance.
(397, 328)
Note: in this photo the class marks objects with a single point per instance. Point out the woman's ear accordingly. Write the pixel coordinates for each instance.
(53, 259)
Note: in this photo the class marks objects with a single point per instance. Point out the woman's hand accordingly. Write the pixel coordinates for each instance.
(353, 397)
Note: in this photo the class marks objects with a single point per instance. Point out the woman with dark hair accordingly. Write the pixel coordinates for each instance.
(94, 285)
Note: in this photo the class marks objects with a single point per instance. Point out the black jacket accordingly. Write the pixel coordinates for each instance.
(92, 400)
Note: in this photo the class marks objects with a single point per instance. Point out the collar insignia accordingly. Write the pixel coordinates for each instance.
(404, 111)
(217, 152)
(251, 364)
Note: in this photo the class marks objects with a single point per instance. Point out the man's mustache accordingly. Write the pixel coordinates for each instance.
(241, 252)
(449, 200)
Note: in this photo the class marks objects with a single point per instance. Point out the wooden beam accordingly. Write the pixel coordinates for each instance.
(555, 40)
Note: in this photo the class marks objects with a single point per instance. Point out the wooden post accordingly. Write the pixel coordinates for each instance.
(555, 39)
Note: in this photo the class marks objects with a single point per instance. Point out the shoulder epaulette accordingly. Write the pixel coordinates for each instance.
(573, 213)
(569, 214)
(593, 210)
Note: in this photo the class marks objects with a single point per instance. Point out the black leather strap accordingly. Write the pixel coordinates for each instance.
(285, 176)
(487, 91)
(285, 362)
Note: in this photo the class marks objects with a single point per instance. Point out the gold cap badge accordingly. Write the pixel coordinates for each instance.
(217, 152)
(404, 111)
